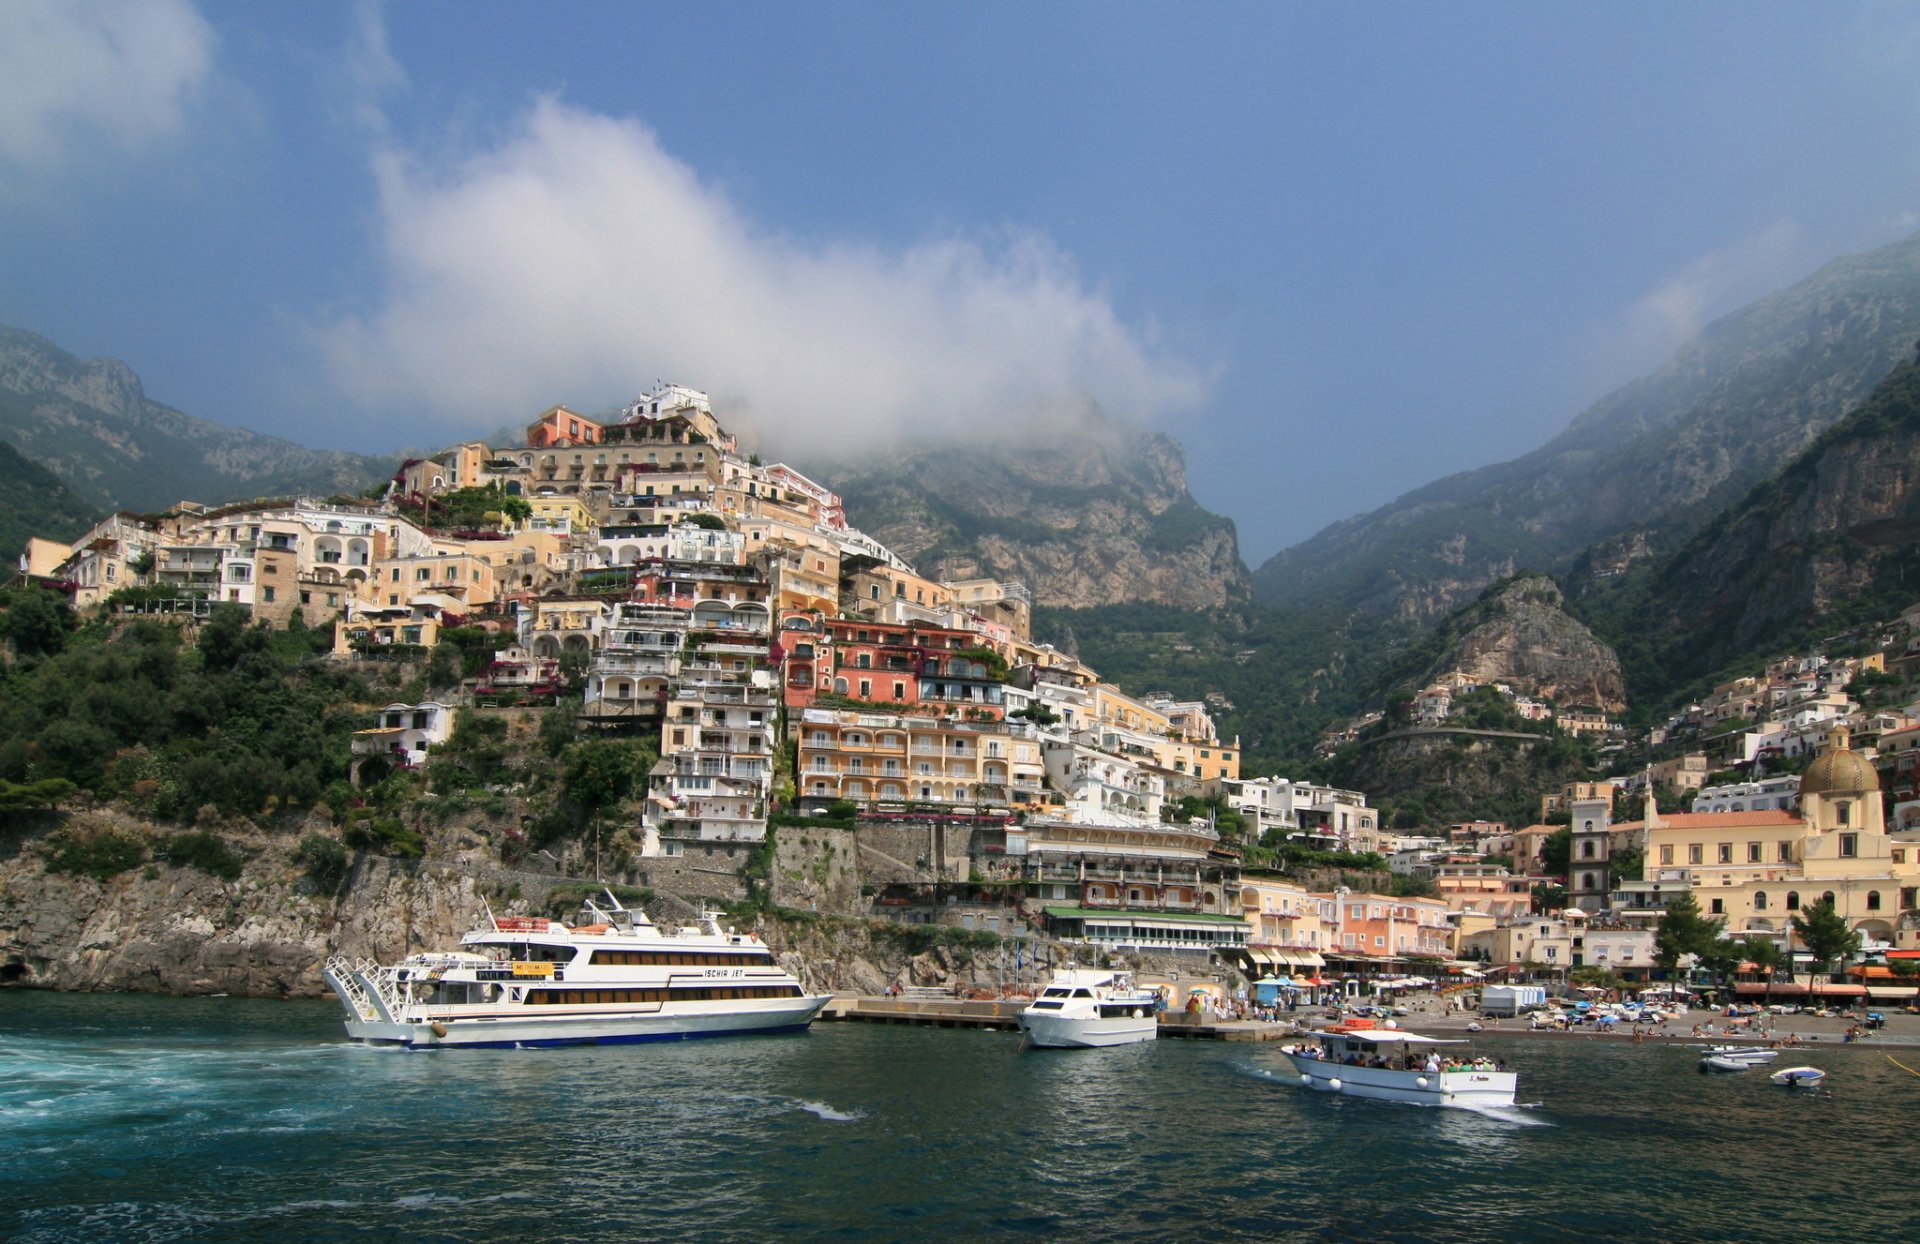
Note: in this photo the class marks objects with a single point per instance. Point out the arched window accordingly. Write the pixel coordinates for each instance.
(1586, 850)
(1873, 900)
(1827, 898)
(1759, 900)
(1588, 827)
(1793, 900)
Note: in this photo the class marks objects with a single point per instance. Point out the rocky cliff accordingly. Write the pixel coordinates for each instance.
(1521, 634)
(1832, 539)
(1101, 516)
(91, 423)
(1662, 454)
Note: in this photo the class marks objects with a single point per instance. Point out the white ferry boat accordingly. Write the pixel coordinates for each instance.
(1087, 1007)
(527, 981)
(1394, 1065)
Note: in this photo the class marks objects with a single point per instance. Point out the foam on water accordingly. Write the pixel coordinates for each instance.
(829, 1113)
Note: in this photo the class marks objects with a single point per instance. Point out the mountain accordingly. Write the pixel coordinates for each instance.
(1520, 633)
(1830, 541)
(91, 424)
(33, 502)
(1658, 457)
(1096, 518)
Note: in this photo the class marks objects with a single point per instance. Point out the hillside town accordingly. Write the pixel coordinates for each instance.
(788, 668)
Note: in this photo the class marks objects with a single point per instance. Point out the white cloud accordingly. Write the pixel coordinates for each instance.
(1674, 311)
(74, 71)
(577, 261)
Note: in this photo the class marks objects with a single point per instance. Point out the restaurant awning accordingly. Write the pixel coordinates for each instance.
(1302, 958)
(1891, 993)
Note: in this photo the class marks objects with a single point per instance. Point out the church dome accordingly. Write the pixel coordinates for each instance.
(1839, 771)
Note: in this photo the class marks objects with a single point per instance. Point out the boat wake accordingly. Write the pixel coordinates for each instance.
(1289, 1078)
(1517, 1114)
(828, 1113)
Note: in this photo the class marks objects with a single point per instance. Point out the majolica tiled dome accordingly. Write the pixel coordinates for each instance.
(1839, 771)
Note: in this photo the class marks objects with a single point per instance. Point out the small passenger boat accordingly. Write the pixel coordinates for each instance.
(1083, 1008)
(613, 977)
(1391, 1064)
(1736, 1058)
(1799, 1077)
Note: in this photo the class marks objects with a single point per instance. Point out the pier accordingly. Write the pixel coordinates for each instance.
(927, 1008)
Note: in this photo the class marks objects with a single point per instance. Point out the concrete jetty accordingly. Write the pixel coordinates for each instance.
(929, 1009)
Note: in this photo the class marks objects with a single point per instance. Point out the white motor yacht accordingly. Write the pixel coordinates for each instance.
(615, 977)
(1394, 1065)
(1086, 1007)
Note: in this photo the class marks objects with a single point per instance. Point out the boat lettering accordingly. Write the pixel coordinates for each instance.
(533, 969)
(710, 972)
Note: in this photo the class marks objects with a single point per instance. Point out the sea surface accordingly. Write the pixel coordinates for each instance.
(132, 1118)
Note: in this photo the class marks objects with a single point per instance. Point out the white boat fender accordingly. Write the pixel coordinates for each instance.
(1334, 1084)
(437, 1028)
(1421, 1081)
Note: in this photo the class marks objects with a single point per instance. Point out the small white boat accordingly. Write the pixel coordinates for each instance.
(1090, 1007)
(1799, 1077)
(1719, 1063)
(1744, 1053)
(1732, 1058)
(1394, 1065)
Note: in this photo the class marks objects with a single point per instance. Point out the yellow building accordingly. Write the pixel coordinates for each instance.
(1756, 870)
(1287, 926)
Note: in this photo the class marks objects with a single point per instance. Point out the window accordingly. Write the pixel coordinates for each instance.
(267, 595)
(1759, 900)
(1754, 852)
(1666, 854)
(1586, 849)
(1793, 900)
(1873, 900)
(1726, 853)
(1786, 853)
(1843, 814)
(1718, 907)
(1849, 846)
(1695, 853)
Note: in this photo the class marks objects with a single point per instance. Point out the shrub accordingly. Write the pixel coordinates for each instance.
(202, 850)
(324, 860)
(102, 855)
(387, 835)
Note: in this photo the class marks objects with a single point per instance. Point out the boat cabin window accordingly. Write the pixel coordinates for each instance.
(1083, 993)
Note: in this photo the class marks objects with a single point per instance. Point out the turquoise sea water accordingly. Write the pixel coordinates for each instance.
(138, 1118)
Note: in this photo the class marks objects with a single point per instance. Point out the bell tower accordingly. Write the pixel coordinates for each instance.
(1590, 848)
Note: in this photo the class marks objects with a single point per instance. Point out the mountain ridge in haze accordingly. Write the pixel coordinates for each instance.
(92, 425)
(1660, 454)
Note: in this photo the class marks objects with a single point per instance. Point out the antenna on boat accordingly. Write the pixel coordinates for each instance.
(488, 908)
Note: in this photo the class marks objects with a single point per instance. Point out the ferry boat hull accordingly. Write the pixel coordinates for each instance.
(509, 1032)
(529, 981)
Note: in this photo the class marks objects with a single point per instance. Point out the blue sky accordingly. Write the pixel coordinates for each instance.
(1336, 250)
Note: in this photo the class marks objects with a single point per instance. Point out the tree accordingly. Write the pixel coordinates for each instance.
(35, 620)
(1626, 864)
(1722, 957)
(1557, 851)
(1766, 956)
(1683, 931)
(1825, 934)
